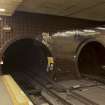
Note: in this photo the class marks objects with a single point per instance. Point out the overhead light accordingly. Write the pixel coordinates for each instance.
(7, 28)
(1, 62)
(2, 10)
(0, 18)
(89, 30)
(100, 28)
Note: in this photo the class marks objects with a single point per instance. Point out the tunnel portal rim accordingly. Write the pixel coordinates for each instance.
(81, 46)
(18, 38)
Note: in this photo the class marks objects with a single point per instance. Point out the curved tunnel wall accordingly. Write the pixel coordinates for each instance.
(25, 55)
(78, 55)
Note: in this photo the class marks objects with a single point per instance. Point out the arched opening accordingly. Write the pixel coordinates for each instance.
(91, 59)
(24, 56)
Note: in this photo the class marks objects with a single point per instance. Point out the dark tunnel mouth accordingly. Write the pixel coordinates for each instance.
(91, 59)
(25, 55)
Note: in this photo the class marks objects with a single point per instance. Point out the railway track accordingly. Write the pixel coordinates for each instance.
(52, 93)
(30, 90)
(46, 91)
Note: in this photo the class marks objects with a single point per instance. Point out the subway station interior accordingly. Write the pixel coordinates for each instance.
(52, 52)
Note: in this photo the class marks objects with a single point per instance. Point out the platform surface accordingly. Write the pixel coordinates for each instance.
(4, 96)
(11, 93)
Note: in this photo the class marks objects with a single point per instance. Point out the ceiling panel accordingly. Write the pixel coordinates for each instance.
(96, 13)
(81, 6)
(89, 9)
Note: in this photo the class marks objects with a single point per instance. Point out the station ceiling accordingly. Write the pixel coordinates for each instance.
(86, 9)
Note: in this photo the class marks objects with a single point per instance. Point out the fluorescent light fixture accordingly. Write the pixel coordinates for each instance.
(1, 62)
(7, 28)
(2, 10)
(100, 28)
(0, 18)
(89, 30)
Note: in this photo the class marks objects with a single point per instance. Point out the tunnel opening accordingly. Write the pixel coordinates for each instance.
(25, 56)
(91, 60)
